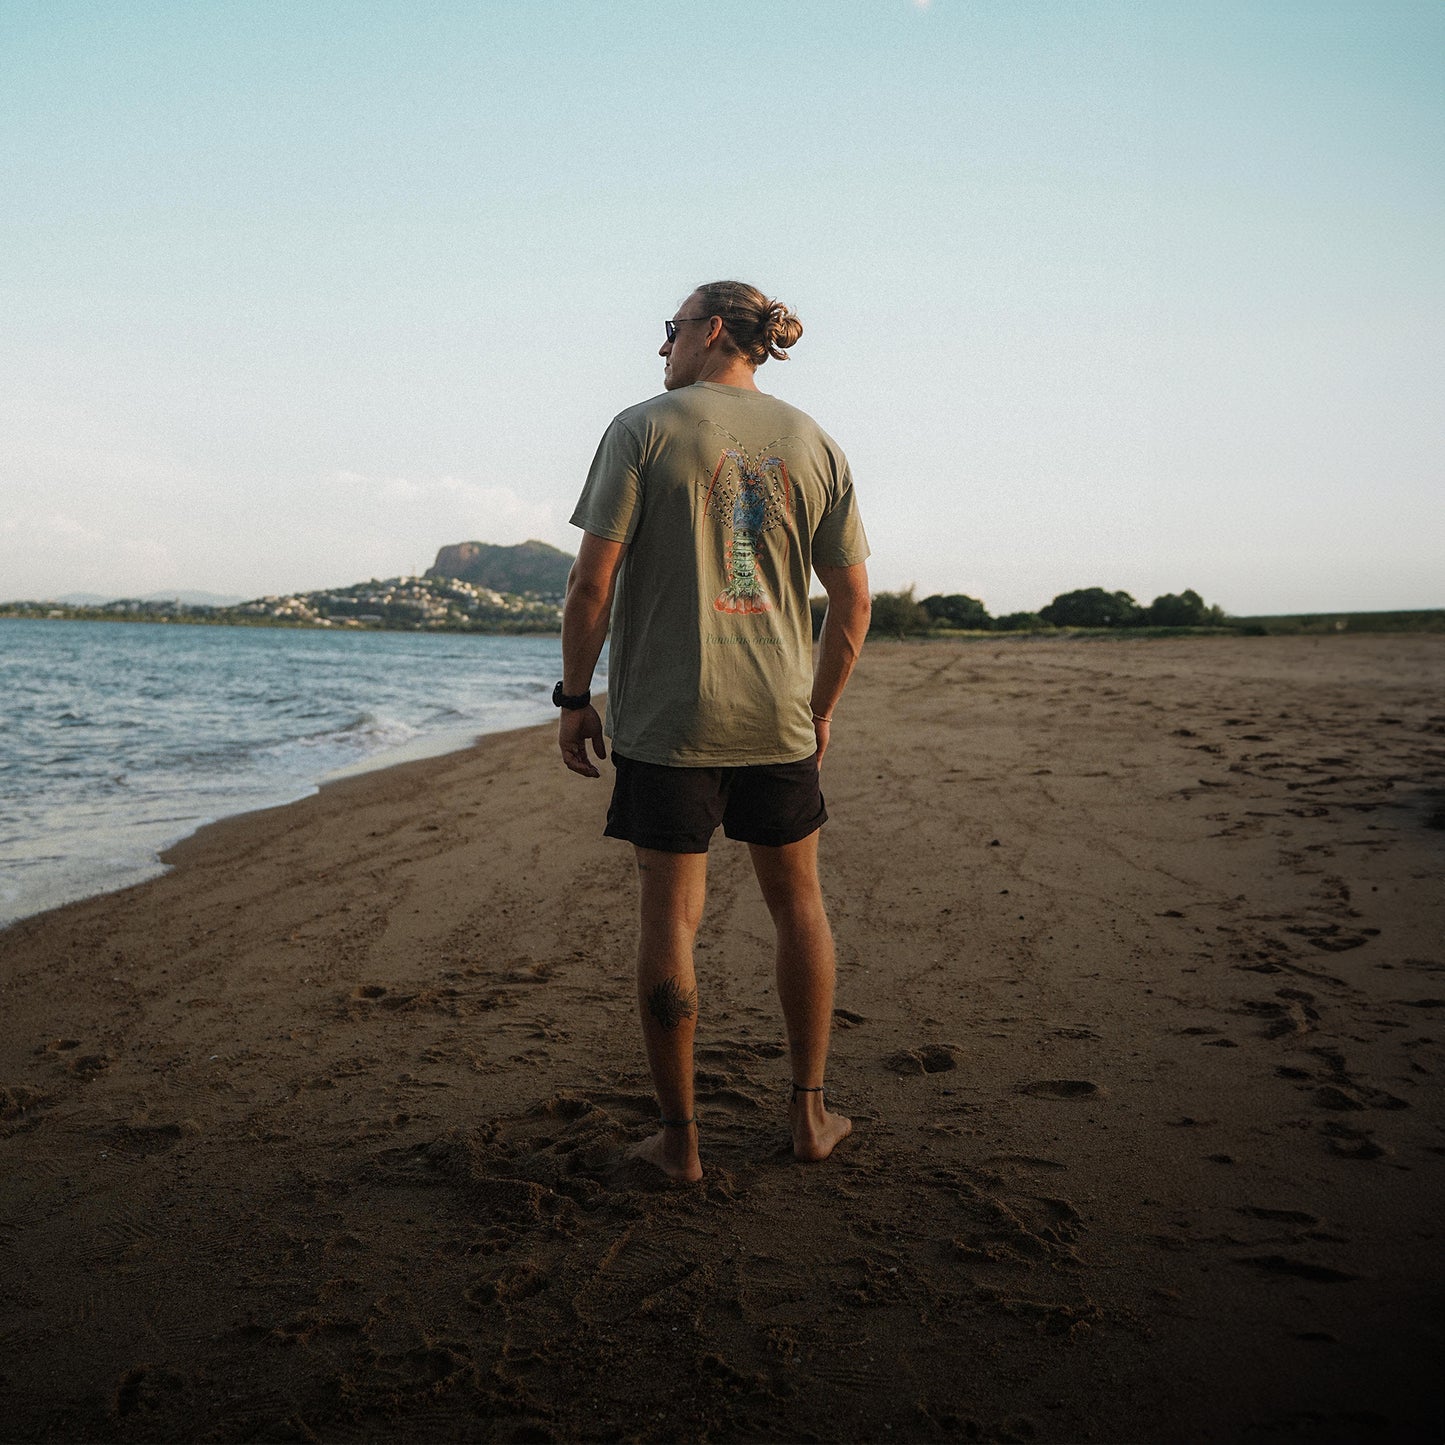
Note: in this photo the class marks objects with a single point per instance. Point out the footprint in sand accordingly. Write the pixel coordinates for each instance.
(510, 1285)
(528, 970)
(926, 1059)
(1294, 1015)
(1348, 1143)
(143, 1388)
(1344, 1091)
(1330, 938)
(640, 1269)
(84, 1066)
(719, 1088)
(147, 1138)
(20, 1108)
(1278, 1216)
(1064, 1089)
(1333, 1097)
(1358, 1096)
(733, 1050)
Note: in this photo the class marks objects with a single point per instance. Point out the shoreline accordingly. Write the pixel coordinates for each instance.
(1137, 1018)
(419, 749)
(131, 773)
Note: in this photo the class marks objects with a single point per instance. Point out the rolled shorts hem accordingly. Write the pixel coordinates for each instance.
(677, 810)
(687, 842)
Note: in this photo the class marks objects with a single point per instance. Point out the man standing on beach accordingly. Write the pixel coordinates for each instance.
(706, 510)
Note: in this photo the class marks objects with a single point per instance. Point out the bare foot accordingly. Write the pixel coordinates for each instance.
(816, 1132)
(674, 1151)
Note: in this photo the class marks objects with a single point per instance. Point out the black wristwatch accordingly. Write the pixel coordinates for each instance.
(572, 704)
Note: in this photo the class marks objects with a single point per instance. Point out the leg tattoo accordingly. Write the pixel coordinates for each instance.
(669, 1004)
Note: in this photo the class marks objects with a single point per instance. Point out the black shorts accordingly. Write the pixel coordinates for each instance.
(675, 810)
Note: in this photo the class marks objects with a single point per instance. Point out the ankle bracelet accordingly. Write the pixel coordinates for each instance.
(678, 1123)
(800, 1089)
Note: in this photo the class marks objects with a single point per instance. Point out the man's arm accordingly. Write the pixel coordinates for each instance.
(845, 625)
(584, 629)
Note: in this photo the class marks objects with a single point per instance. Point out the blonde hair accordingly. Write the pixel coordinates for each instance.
(757, 327)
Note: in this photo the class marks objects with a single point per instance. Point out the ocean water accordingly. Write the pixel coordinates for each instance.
(119, 739)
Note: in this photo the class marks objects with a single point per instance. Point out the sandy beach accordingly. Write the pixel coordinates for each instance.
(1141, 970)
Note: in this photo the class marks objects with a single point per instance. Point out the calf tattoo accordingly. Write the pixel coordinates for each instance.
(669, 1004)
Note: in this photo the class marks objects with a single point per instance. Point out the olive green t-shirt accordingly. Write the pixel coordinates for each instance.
(726, 498)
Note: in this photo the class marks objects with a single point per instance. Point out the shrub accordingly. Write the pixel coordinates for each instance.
(897, 614)
(957, 610)
(1093, 607)
(1188, 609)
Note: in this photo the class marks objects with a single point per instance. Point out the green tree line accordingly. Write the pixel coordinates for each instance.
(901, 614)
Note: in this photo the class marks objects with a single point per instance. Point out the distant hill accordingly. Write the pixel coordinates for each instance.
(527, 567)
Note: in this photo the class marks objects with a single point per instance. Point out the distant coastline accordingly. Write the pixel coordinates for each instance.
(519, 616)
(492, 590)
(397, 604)
(18, 611)
(471, 587)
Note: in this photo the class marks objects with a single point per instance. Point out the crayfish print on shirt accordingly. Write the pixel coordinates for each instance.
(748, 495)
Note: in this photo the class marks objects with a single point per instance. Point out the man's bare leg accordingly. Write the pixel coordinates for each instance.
(672, 889)
(789, 880)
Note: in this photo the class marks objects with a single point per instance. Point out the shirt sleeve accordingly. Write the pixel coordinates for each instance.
(839, 539)
(611, 502)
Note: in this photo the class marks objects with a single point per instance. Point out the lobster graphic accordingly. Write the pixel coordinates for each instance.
(749, 495)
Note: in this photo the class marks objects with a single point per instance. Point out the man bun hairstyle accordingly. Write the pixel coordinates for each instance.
(757, 327)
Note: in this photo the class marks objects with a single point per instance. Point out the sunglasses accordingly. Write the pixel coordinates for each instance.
(671, 326)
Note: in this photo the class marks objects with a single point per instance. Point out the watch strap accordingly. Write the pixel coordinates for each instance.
(571, 702)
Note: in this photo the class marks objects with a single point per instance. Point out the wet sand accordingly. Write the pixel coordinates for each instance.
(1141, 970)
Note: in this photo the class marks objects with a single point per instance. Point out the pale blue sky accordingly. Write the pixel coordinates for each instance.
(1138, 295)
